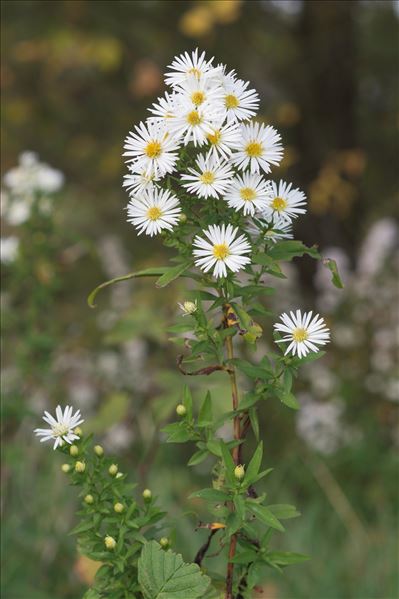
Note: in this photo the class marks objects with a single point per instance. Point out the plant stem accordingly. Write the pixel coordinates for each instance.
(237, 436)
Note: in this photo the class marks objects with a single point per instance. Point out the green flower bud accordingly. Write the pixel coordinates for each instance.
(110, 542)
(239, 472)
(147, 495)
(65, 468)
(74, 450)
(164, 542)
(89, 499)
(119, 507)
(98, 450)
(80, 467)
(78, 431)
(181, 410)
(182, 217)
(113, 469)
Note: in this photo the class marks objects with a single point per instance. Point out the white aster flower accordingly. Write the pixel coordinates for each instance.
(8, 249)
(221, 250)
(188, 308)
(152, 148)
(302, 332)
(279, 228)
(138, 180)
(198, 92)
(240, 102)
(155, 209)
(259, 147)
(31, 176)
(185, 66)
(62, 427)
(223, 139)
(248, 192)
(164, 109)
(285, 202)
(194, 123)
(210, 178)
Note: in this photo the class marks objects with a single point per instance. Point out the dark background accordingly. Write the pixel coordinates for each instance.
(76, 76)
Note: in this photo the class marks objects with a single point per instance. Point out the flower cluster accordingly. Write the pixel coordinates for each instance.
(203, 128)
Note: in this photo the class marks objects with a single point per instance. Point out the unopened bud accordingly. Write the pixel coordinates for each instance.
(181, 410)
(110, 542)
(98, 450)
(147, 495)
(80, 467)
(164, 542)
(188, 308)
(74, 450)
(65, 468)
(78, 431)
(89, 499)
(113, 469)
(119, 507)
(182, 217)
(239, 472)
(119, 475)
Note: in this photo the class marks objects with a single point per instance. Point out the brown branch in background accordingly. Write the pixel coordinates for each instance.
(207, 370)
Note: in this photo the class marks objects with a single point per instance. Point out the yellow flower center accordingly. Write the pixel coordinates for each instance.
(254, 149)
(214, 137)
(197, 98)
(153, 149)
(194, 71)
(60, 429)
(300, 335)
(279, 204)
(231, 101)
(207, 177)
(247, 194)
(154, 213)
(221, 251)
(193, 118)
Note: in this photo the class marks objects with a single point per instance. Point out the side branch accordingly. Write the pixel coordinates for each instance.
(207, 370)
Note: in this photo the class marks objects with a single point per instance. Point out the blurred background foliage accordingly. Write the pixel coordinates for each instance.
(76, 76)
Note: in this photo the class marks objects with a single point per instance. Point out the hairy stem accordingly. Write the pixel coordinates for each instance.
(237, 436)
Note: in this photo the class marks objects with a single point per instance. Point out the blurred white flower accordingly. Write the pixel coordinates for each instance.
(32, 176)
(379, 242)
(8, 249)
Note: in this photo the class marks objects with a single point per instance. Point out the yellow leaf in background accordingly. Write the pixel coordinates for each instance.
(86, 569)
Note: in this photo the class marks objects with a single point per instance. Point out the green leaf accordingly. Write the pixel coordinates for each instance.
(286, 558)
(289, 400)
(248, 400)
(228, 462)
(333, 268)
(288, 249)
(255, 463)
(188, 402)
(148, 272)
(172, 273)
(233, 522)
(164, 575)
(253, 416)
(239, 504)
(251, 370)
(264, 515)
(177, 432)
(82, 527)
(211, 495)
(91, 594)
(284, 511)
(205, 414)
(198, 457)
(245, 557)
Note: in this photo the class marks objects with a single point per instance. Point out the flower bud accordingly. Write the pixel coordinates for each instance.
(65, 468)
(164, 542)
(74, 450)
(239, 472)
(78, 431)
(147, 495)
(89, 499)
(188, 308)
(98, 450)
(182, 217)
(110, 542)
(119, 475)
(113, 469)
(80, 467)
(181, 410)
(119, 507)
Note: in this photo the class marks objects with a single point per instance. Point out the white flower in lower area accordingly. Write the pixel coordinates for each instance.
(302, 332)
(249, 192)
(154, 210)
(138, 179)
(258, 148)
(211, 177)
(61, 428)
(32, 176)
(223, 139)
(221, 250)
(285, 202)
(151, 148)
(240, 102)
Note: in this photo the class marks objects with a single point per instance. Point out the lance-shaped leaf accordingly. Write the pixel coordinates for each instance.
(205, 413)
(148, 272)
(264, 515)
(288, 249)
(254, 465)
(172, 273)
(333, 268)
(164, 575)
